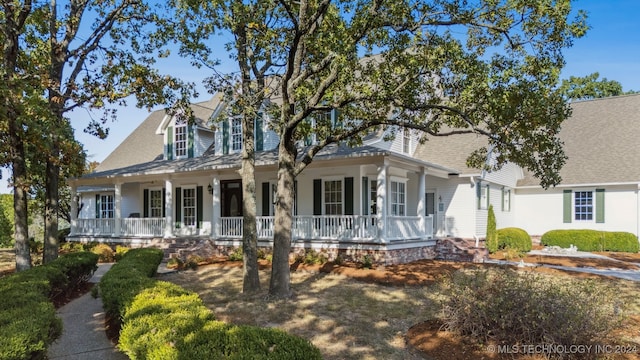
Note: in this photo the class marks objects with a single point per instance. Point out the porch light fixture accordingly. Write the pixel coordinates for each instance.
(210, 189)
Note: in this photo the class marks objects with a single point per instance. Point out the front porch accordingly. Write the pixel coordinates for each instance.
(345, 228)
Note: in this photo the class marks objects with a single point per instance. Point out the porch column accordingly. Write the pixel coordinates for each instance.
(117, 208)
(73, 191)
(168, 208)
(215, 203)
(381, 205)
(421, 202)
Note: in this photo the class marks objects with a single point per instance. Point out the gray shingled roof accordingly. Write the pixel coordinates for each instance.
(451, 151)
(141, 146)
(211, 162)
(602, 142)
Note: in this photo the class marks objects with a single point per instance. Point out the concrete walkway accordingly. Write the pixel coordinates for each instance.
(83, 335)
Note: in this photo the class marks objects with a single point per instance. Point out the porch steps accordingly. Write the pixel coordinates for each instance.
(458, 249)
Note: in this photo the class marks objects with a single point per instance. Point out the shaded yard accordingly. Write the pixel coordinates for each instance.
(354, 313)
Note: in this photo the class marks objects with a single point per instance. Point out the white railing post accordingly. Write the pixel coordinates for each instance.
(117, 208)
(168, 208)
(381, 205)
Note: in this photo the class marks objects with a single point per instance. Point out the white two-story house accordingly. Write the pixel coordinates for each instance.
(171, 182)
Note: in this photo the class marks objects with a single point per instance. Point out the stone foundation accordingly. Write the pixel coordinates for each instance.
(379, 254)
(455, 249)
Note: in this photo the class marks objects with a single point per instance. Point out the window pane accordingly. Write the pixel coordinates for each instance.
(333, 197)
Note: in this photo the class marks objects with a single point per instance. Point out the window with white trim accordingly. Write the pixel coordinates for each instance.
(333, 197)
(236, 134)
(189, 215)
(506, 199)
(180, 138)
(583, 205)
(483, 194)
(155, 203)
(373, 197)
(406, 140)
(398, 198)
(106, 207)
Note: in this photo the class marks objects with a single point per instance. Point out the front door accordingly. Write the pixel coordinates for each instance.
(231, 198)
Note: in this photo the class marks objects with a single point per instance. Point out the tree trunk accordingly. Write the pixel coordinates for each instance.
(250, 279)
(51, 211)
(280, 271)
(20, 198)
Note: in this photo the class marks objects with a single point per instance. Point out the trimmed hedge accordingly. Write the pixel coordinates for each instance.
(27, 315)
(592, 240)
(514, 238)
(161, 320)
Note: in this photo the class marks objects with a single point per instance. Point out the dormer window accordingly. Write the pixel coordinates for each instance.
(406, 141)
(180, 138)
(236, 134)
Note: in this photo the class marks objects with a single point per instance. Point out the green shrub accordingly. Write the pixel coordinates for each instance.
(527, 308)
(71, 247)
(236, 255)
(127, 278)
(312, 257)
(366, 262)
(492, 236)
(105, 253)
(514, 238)
(27, 315)
(166, 321)
(175, 263)
(591, 240)
(120, 251)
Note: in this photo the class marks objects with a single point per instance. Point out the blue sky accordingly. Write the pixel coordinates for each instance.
(611, 47)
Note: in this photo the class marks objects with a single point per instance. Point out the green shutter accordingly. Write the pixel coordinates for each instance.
(265, 199)
(178, 218)
(599, 205)
(170, 143)
(502, 200)
(317, 197)
(97, 206)
(307, 139)
(348, 196)
(566, 206)
(335, 119)
(259, 133)
(190, 140)
(199, 206)
(365, 195)
(145, 205)
(164, 202)
(225, 137)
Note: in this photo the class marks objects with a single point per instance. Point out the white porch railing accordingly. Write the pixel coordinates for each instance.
(95, 226)
(341, 227)
(142, 226)
(308, 227)
(409, 227)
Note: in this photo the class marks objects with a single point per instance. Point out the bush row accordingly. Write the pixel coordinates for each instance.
(591, 240)
(508, 238)
(161, 320)
(27, 314)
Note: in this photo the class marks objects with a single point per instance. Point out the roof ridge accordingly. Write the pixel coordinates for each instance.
(604, 98)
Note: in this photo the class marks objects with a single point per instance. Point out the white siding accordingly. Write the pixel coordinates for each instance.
(508, 175)
(458, 198)
(203, 141)
(538, 211)
(132, 199)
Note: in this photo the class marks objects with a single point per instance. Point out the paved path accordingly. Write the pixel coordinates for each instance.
(84, 335)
